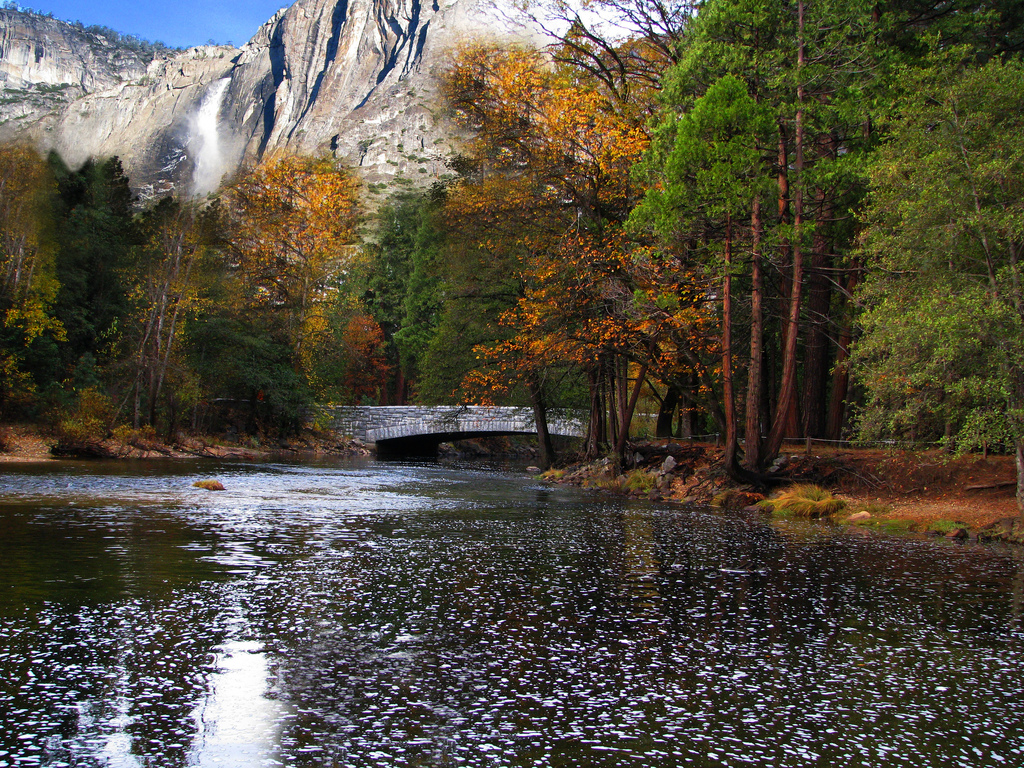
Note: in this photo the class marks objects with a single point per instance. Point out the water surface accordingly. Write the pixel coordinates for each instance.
(363, 614)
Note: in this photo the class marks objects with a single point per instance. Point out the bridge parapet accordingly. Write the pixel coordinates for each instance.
(375, 423)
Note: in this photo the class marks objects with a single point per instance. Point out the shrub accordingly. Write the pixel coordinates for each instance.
(83, 430)
(143, 438)
(806, 500)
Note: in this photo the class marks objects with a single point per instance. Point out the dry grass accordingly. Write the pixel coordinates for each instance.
(806, 500)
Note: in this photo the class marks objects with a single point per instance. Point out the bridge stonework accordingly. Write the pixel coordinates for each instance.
(373, 424)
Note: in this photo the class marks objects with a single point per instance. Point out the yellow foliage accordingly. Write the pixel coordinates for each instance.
(551, 156)
(293, 222)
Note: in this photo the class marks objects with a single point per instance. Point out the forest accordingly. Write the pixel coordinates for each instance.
(761, 219)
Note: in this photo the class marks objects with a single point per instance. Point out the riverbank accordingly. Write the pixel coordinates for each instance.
(901, 491)
(26, 443)
(888, 490)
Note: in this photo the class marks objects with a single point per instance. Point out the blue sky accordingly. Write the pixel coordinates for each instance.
(180, 23)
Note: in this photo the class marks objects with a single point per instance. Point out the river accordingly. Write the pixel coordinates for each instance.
(367, 614)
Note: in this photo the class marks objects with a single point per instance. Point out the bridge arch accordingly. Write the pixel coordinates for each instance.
(420, 429)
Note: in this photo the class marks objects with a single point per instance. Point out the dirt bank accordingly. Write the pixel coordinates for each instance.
(901, 490)
(26, 443)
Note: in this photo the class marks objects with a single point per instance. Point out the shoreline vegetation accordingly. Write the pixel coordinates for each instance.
(969, 497)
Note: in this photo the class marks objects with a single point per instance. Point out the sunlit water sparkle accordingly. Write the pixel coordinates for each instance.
(363, 614)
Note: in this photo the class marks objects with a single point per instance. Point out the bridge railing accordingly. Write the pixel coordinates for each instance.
(373, 423)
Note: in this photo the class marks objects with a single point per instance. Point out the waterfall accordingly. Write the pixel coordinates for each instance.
(209, 163)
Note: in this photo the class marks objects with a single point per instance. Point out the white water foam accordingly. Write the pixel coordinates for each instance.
(209, 161)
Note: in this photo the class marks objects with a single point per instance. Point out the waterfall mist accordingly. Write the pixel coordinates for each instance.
(209, 160)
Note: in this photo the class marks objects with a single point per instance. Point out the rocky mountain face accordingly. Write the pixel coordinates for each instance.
(45, 64)
(356, 78)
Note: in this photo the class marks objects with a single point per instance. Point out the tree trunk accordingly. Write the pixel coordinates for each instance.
(755, 379)
(841, 375)
(728, 395)
(787, 388)
(627, 417)
(594, 427)
(1019, 445)
(666, 412)
(817, 343)
(540, 417)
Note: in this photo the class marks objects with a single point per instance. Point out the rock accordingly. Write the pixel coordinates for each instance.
(46, 63)
(668, 464)
(858, 516)
(1009, 529)
(533, 470)
(209, 485)
(354, 78)
(957, 533)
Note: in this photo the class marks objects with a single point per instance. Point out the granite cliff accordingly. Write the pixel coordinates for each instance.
(352, 77)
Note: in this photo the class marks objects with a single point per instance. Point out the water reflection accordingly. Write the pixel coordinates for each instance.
(237, 726)
(412, 616)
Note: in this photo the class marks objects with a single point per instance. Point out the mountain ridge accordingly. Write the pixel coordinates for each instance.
(353, 78)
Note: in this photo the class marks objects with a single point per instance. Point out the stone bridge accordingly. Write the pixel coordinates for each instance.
(417, 429)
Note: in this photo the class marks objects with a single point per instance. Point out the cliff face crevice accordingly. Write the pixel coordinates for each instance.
(356, 78)
(331, 53)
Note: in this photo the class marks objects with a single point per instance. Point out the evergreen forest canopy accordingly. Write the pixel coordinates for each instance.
(766, 220)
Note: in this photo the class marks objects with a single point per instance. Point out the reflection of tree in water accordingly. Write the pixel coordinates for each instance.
(113, 679)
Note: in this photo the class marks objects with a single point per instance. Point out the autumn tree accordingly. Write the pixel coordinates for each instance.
(168, 290)
(291, 231)
(364, 366)
(551, 186)
(28, 281)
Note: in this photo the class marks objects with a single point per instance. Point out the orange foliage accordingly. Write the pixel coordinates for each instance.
(553, 152)
(293, 225)
(366, 366)
(559, 134)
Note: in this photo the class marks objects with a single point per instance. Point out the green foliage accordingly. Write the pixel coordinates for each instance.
(714, 166)
(944, 328)
(402, 279)
(249, 373)
(96, 232)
